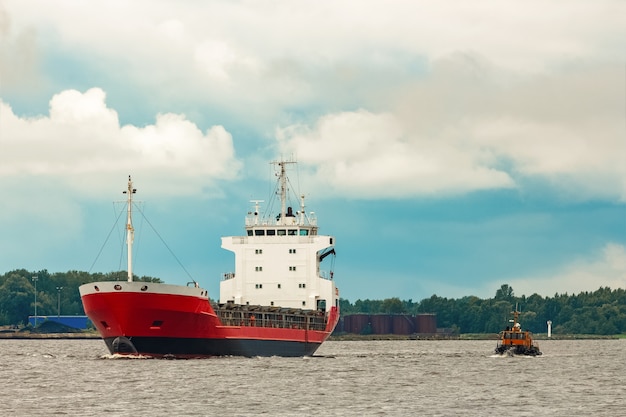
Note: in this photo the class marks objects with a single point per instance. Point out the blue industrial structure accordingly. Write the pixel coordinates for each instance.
(77, 322)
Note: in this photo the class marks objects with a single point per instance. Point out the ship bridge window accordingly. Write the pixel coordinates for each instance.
(259, 232)
(249, 232)
(271, 232)
(304, 232)
(292, 232)
(281, 232)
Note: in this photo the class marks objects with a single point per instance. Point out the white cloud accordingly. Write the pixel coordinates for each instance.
(372, 155)
(81, 141)
(606, 268)
(455, 98)
(254, 45)
(470, 126)
(215, 58)
(51, 164)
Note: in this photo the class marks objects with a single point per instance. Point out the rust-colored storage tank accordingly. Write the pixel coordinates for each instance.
(403, 324)
(347, 324)
(426, 323)
(358, 323)
(381, 323)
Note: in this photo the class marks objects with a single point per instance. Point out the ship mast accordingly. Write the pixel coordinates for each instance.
(130, 231)
(282, 178)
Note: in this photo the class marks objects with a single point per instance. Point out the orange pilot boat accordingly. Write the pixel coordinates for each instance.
(516, 341)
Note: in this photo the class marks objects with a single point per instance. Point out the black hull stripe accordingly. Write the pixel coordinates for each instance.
(192, 347)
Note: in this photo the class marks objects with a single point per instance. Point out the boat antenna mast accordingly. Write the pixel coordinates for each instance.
(282, 192)
(130, 231)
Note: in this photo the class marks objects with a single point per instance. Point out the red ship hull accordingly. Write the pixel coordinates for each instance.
(175, 321)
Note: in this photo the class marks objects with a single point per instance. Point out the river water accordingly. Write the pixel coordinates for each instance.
(345, 378)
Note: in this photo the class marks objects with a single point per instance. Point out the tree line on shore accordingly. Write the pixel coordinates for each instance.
(601, 312)
(57, 293)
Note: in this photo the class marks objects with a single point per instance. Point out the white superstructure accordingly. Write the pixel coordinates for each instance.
(277, 262)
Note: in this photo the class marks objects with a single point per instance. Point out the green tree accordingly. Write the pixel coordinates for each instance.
(504, 293)
(393, 306)
(17, 298)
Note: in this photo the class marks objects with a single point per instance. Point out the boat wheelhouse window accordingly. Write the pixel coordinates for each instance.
(292, 251)
(259, 232)
(271, 232)
(249, 232)
(304, 232)
(292, 268)
(301, 285)
(258, 268)
(281, 232)
(258, 251)
(292, 232)
(258, 286)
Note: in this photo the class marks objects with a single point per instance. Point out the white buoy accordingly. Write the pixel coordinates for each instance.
(549, 328)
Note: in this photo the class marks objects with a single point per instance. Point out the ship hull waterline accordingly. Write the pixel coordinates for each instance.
(191, 348)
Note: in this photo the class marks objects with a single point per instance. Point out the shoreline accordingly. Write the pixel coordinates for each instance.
(466, 337)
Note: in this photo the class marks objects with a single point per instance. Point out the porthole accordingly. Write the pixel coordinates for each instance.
(95, 287)
(117, 287)
(144, 288)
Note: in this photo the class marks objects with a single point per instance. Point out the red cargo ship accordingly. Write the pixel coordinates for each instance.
(277, 302)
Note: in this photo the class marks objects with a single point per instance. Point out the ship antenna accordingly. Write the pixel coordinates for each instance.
(130, 231)
(283, 190)
(282, 178)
